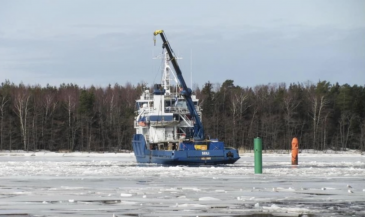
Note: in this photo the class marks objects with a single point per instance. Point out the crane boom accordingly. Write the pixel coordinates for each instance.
(186, 92)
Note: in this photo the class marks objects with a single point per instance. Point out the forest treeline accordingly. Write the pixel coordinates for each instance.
(322, 116)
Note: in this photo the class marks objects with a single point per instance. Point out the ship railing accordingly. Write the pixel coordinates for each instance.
(179, 110)
(164, 123)
(144, 110)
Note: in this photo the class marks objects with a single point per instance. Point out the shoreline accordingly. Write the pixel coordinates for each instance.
(245, 153)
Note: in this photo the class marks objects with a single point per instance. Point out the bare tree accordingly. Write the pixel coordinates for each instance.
(318, 102)
(21, 98)
(344, 127)
(239, 106)
(70, 97)
(362, 135)
(49, 104)
(3, 102)
(291, 103)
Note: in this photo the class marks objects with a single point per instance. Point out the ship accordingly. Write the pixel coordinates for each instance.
(168, 122)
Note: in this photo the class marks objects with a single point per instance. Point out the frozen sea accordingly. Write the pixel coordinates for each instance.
(93, 184)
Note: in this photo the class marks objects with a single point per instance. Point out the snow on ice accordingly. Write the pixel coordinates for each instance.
(93, 184)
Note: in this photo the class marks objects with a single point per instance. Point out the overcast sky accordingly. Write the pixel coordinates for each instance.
(88, 42)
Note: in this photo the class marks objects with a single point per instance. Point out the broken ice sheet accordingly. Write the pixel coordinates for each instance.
(91, 184)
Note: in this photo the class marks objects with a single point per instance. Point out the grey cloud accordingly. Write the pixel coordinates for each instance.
(248, 55)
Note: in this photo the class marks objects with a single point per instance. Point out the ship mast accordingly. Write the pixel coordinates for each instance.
(167, 72)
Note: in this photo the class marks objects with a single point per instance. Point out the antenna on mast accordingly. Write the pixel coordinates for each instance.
(191, 68)
(166, 71)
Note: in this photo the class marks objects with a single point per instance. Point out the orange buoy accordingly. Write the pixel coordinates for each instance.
(294, 151)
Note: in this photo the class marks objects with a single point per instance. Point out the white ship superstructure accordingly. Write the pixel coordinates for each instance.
(162, 116)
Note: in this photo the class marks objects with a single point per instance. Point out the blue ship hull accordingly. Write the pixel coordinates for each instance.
(185, 155)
